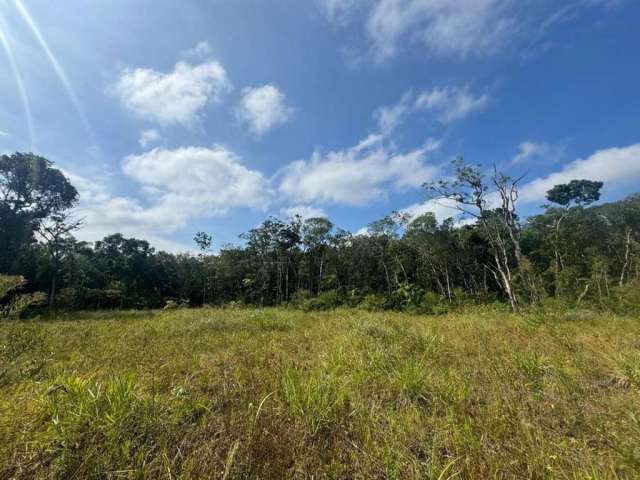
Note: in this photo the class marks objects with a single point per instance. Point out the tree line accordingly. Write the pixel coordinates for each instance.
(576, 251)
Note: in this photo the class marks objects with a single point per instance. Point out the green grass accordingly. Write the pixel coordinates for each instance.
(346, 394)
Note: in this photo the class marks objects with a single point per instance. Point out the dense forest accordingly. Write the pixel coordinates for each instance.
(576, 251)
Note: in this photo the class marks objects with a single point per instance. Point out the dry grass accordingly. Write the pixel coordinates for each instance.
(345, 394)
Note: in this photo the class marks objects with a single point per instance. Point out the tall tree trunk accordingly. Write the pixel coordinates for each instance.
(320, 274)
(52, 293)
(626, 257)
(446, 275)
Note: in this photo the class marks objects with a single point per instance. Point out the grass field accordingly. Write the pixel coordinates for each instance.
(347, 394)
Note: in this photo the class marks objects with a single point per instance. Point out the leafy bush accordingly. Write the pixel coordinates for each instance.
(373, 302)
(627, 297)
(354, 297)
(299, 298)
(406, 297)
(432, 303)
(10, 283)
(325, 301)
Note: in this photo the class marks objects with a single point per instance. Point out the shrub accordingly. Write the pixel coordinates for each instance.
(627, 297)
(325, 301)
(373, 302)
(299, 298)
(406, 297)
(10, 283)
(432, 303)
(354, 297)
(12, 303)
(176, 304)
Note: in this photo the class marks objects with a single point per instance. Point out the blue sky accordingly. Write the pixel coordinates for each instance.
(173, 117)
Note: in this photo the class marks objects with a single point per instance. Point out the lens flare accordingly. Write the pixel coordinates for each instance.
(22, 91)
(54, 63)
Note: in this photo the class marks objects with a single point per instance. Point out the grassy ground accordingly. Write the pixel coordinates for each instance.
(346, 394)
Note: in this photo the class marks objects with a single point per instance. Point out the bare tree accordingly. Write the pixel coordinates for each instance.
(496, 215)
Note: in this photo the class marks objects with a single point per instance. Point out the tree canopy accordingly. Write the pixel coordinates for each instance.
(575, 250)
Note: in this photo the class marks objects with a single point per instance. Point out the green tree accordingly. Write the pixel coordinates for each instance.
(204, 241)
(56, 234)
(576, 194)
(31, 190)
(316, 235)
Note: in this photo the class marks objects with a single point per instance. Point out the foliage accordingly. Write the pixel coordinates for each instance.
(373, 302)
(579, 253)
(576, 192)
(12, 302)
(31, 190)
(324, 301)
(626, 298)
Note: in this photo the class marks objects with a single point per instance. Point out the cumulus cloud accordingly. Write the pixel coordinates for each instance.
(263, 109)
(616, 166)
(177, 186)
(149, 137)
(356, 175)
(304, 211)
(103, 214)
(198, 181)
(172, 98)
(442, 208)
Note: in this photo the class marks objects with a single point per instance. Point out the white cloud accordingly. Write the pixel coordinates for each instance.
(570, 11)
(149, 137)
(454, 28)
(198, 181)
(444, 27)
(356, 175)
(103, 214)
(3, 134)
(201, 50)
(178, 186)
(613, 166)
(451, 103)
(390, 117)
(304, 211)
(172, 98)
(442, 208)
(446, 104)
(263, 108)
(528, 150)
